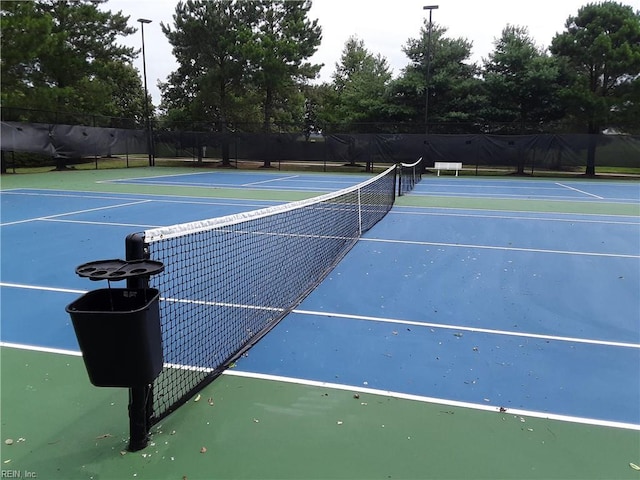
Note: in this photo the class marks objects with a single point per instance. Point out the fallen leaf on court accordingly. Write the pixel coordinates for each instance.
(106, 435)
(197, 399)
(8, 441)
(634, 466)
(203, 450)
(210, 401)
(339, 422)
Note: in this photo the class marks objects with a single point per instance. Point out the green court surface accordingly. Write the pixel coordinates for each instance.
(242, 428)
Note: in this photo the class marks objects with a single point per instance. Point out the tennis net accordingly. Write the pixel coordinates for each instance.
(410, 174)
(227, 281)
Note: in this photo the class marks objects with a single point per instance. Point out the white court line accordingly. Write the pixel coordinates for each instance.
(579, 191)
(155, 197)
(33, 348)
(509, 333)
(364, 390)
(518, 217)
(152, 176)
(46, 289)
(102, 224)
(164, 299)
(437, 401)
(360, 317)
(269, 181)
(49, 217)
(527, 198)
(509, 249)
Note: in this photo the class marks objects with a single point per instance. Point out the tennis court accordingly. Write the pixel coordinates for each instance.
(484, 328)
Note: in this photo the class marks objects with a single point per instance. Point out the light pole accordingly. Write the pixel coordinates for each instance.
(146, 97)
(431, 8)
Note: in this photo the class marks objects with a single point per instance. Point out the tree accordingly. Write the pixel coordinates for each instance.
(522, 82)
(360, 82)
(285, 39)
(454, 87)
(602, 45)
(63, 56)
(212, 44)
(20, 51)
(237, 56)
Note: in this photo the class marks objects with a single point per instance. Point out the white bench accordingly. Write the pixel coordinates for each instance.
(448, 166)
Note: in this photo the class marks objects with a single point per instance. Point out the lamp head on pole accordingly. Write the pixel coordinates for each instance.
(144, 20)
(431, 7)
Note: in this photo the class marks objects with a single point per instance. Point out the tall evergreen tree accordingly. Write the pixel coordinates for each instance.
(60, 55)
(454, 87)
(522, 83)
(360, 82)
(602, 46)
(285, 40)
(211, 43)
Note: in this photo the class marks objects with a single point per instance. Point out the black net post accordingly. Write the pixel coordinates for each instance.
(140, 397)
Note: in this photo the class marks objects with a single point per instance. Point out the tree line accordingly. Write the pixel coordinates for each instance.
(247, 63)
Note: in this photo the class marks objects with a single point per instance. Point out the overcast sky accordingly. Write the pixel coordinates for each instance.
(383, 25)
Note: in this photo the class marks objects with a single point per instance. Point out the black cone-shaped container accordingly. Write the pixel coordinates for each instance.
(119, 335)
(118, 329)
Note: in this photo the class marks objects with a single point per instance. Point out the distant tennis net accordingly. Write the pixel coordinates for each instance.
(229, 280)
(410, 174)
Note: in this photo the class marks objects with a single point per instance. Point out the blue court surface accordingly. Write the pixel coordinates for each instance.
(532, 310)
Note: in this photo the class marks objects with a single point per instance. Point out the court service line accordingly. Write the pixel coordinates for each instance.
(109, 224)
(528, 198)
(162, 198)
(164, 299)
(49, 217)
(46, 289)
(493, 247)
(360, 317)
(153, 176)
(269, 181)
(434, 400)
(463, 328)
(524, 218)
(579, 191)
